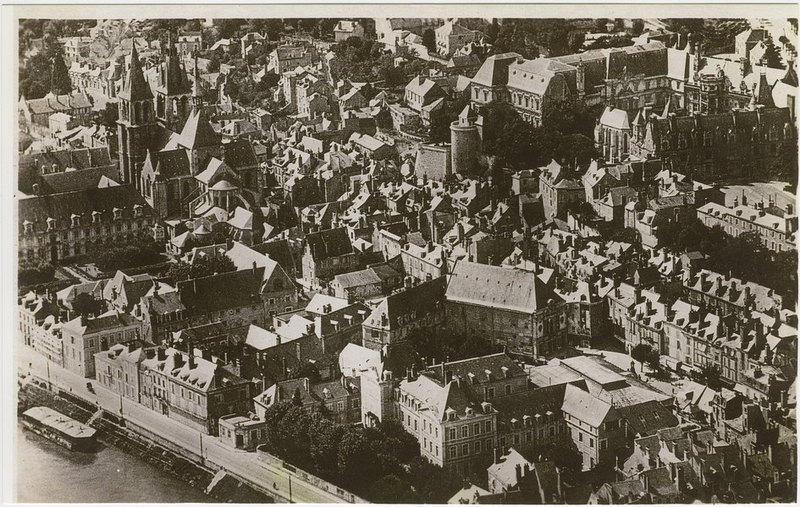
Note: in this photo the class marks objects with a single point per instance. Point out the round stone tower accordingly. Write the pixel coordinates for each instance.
(465, 142)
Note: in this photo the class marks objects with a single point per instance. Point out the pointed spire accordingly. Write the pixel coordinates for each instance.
(765, 91)
(136, 87)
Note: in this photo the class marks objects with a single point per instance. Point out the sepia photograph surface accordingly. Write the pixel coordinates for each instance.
(531, 255)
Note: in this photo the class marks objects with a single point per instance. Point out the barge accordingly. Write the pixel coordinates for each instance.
(59, 428)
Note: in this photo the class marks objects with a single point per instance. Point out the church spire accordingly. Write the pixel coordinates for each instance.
(136, 87)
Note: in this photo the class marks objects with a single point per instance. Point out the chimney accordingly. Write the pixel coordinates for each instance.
(518, 470)
(162, 354)
(306, 385)
(496, 455)
(178, 359)
(192, 363)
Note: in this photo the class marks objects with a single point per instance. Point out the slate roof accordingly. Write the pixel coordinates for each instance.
(510, 289)
(50, 103)
(30, 164)
(494, 71)
(329, 243)
(357, 278)
(532, 403)
(415, 301)
(82, 203)
(500, 366)
(197, 131)
(239, 153)
(648, 417)
(108, 320)
(279, 251)
(222, 291)
(168, 164)
(585, 407)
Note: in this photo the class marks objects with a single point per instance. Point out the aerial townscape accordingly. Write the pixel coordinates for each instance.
(409, 260)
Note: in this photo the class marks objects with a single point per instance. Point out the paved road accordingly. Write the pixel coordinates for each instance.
(241, 463)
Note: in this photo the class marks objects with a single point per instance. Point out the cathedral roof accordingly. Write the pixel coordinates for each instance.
(197, 132)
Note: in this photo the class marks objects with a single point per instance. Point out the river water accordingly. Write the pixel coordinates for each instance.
(49, 473)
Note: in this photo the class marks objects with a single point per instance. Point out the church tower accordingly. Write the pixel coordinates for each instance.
(173, 93)
(136, 123)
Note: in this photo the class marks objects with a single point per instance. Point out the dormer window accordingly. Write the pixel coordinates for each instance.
(117, 213)
(137, 210)
(76, 220)
(27, 226)
(51, 224)
(95, 217)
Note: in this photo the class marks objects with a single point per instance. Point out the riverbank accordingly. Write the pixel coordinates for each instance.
(111, 431)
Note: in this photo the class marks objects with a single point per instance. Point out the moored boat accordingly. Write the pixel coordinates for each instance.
(59, 428)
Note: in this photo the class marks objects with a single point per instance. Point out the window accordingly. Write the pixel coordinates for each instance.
(490, 393)
(603, 445)
(476, 429)
(591, 442)
(580, 437)
(464, 431)
(452, 434)
(508, 389)
(488, 426)
(478, 447)
(453, 452)
(465, 450)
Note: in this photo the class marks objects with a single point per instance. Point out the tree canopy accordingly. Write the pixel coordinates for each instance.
(200, 267)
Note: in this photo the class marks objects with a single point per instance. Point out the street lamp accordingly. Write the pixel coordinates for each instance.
(202, 458)
(290, 488)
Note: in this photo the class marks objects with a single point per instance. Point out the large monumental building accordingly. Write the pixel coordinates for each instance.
(169, 151)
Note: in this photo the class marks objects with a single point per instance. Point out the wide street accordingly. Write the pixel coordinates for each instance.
(240, 463)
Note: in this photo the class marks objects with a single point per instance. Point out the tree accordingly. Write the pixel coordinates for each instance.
(201, 267)
(429, 40)
(576, 40)
(31, 273)
(392, 489)
(646, 354)
(440, 123)
(356, 463)
(433, 483)
(108, 116)
(711, 375)
(617, 41)
(85, 304)
(127, 254)
(492, 31)
(60, 82)
(324, 439)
